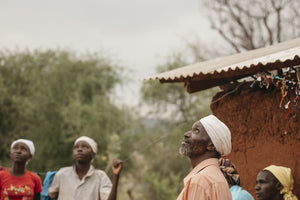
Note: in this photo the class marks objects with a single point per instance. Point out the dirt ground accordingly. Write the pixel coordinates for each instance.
(262, 132)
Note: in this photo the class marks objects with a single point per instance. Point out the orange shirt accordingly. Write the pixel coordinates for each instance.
(205, 182)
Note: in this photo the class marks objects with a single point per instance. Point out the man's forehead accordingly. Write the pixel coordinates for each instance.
(265, 175)
(197, 124)
(81, 142)
(22, 144)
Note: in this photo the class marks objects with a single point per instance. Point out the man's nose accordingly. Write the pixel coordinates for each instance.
(18, 150)
(257, 187)
(187, 134)
(79, 149)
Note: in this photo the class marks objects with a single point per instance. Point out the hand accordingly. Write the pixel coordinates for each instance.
(117, 166)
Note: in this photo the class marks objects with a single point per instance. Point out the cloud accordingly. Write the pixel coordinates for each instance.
(136, 31)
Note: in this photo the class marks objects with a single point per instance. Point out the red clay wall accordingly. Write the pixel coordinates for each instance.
(261, 132)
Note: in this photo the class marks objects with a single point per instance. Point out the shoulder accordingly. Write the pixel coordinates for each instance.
(201, 179)
(3, 172)
(236, 188)
(239, 193)
(210, 174)
(4, 175)
(64, 170)
(100, 173)
(102, 176)
(33, 174)
(210, 179)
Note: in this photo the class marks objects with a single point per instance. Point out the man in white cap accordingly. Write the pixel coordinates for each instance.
(208, 140)
(83, 181)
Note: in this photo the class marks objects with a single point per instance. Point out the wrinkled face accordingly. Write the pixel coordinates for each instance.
(265, 186)
(195, 141)
(20, 153)
(82, 152)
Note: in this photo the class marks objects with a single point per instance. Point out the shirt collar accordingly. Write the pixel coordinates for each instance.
(89, 173)
(201, 166)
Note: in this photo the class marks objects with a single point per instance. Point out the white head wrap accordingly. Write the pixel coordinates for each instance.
(29, 144)
(219, 134)
(90, 141)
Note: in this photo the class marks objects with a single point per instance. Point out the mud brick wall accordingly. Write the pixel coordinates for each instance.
(263, 133)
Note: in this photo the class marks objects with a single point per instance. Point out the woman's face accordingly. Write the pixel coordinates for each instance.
(20, 153)
(265, 186)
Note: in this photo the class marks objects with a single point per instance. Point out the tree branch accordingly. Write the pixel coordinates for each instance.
(239, 22)
(278, 15)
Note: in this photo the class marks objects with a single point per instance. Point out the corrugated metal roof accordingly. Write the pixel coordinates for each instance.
(224, 69)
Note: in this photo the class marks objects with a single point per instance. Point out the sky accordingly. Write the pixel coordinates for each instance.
(138, 33)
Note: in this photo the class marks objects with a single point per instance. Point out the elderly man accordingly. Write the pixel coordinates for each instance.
(83, 181)
(208, 140)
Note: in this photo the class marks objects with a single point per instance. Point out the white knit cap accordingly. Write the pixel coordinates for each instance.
(90, 141)
(219, 134)
(29, 144)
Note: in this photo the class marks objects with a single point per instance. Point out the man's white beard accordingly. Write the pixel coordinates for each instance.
(186, 150)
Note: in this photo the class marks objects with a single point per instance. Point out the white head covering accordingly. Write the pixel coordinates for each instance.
(29, 144)
(90, 141)
(219, 134)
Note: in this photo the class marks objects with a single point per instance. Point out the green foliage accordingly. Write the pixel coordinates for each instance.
(161, 187)
(171, 99)
(174, 111)
(52, 97)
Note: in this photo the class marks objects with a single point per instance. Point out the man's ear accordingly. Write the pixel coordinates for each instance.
(93, 155)
(210, 146)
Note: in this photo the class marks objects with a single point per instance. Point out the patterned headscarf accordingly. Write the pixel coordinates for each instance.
(284, 176)
(229, 171)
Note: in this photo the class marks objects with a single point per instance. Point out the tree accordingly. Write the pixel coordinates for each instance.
(252, 24)
(244, 25)
(170, 99)
(52, 97)
(173, 111)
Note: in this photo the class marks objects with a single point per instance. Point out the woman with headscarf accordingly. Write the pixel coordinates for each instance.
(275, 183)
(233, 179)
(83, 181)
(16, 182)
